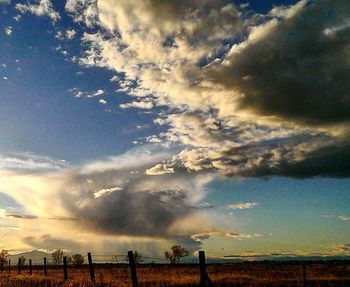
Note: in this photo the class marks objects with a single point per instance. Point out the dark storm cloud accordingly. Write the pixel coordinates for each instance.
(308, 157)
(331, 161)
(300, 70)
(126, 212)
(125, 201)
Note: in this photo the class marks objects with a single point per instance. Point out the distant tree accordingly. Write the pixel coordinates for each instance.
(78, 259)
(3, 259)
(57, 256)
(115, 259)
(22, 260)
(70, 260)
(176, 254)
(137, 257)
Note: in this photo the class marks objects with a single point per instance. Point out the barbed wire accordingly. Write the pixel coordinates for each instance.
(154, 258)
(99, 258)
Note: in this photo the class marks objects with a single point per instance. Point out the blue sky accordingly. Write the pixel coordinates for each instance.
(221, 126)
(44, 115)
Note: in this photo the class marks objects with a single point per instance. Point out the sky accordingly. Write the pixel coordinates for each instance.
(215, 125)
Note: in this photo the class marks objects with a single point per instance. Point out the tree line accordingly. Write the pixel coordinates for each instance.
(174, 256)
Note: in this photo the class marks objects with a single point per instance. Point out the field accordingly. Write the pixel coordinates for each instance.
(159, 275)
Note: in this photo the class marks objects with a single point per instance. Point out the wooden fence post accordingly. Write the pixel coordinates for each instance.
(30, 267)
(133, 269)
(65, 269)
(304, 274)
(91, 268)
(202, 274)
(45, 267)
(19, 266)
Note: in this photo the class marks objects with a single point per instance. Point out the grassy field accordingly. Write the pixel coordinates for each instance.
(243, 274)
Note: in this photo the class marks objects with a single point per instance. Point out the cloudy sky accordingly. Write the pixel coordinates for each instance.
(218, 125)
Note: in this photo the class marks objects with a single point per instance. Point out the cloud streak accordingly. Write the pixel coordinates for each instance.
(242, 205)
(224, 233)
(344, 217)
(27, 162)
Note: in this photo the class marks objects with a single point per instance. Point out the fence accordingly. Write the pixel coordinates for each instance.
(129, 259)
(130, 269)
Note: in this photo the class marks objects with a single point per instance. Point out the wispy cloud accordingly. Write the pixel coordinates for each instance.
(242, 205)
(224, 233)
(84, 11)
(70, 34)
(30, 162)
(5, 214)
(139, 105)
(99, 92)
(344, 217)
(77, 93)
(338, 217)
(39, 8)
(339, 249)
(8, 30)
(59, 36)
(343, 247)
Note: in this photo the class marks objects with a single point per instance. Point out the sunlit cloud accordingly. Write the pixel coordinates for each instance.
(8, 30)
(39, 8)
(114, 196)
(242, 205)
(99, 92)
(139, 105)
(220, 100)
(159, 169)
(223, 233)
(344, 217)
(106, 191)
(102, 102)
(70, 34)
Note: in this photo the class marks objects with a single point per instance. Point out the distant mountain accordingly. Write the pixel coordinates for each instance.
(36, 256)
(288, 258)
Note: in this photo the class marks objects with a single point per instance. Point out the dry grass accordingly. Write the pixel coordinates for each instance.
(246, 274)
